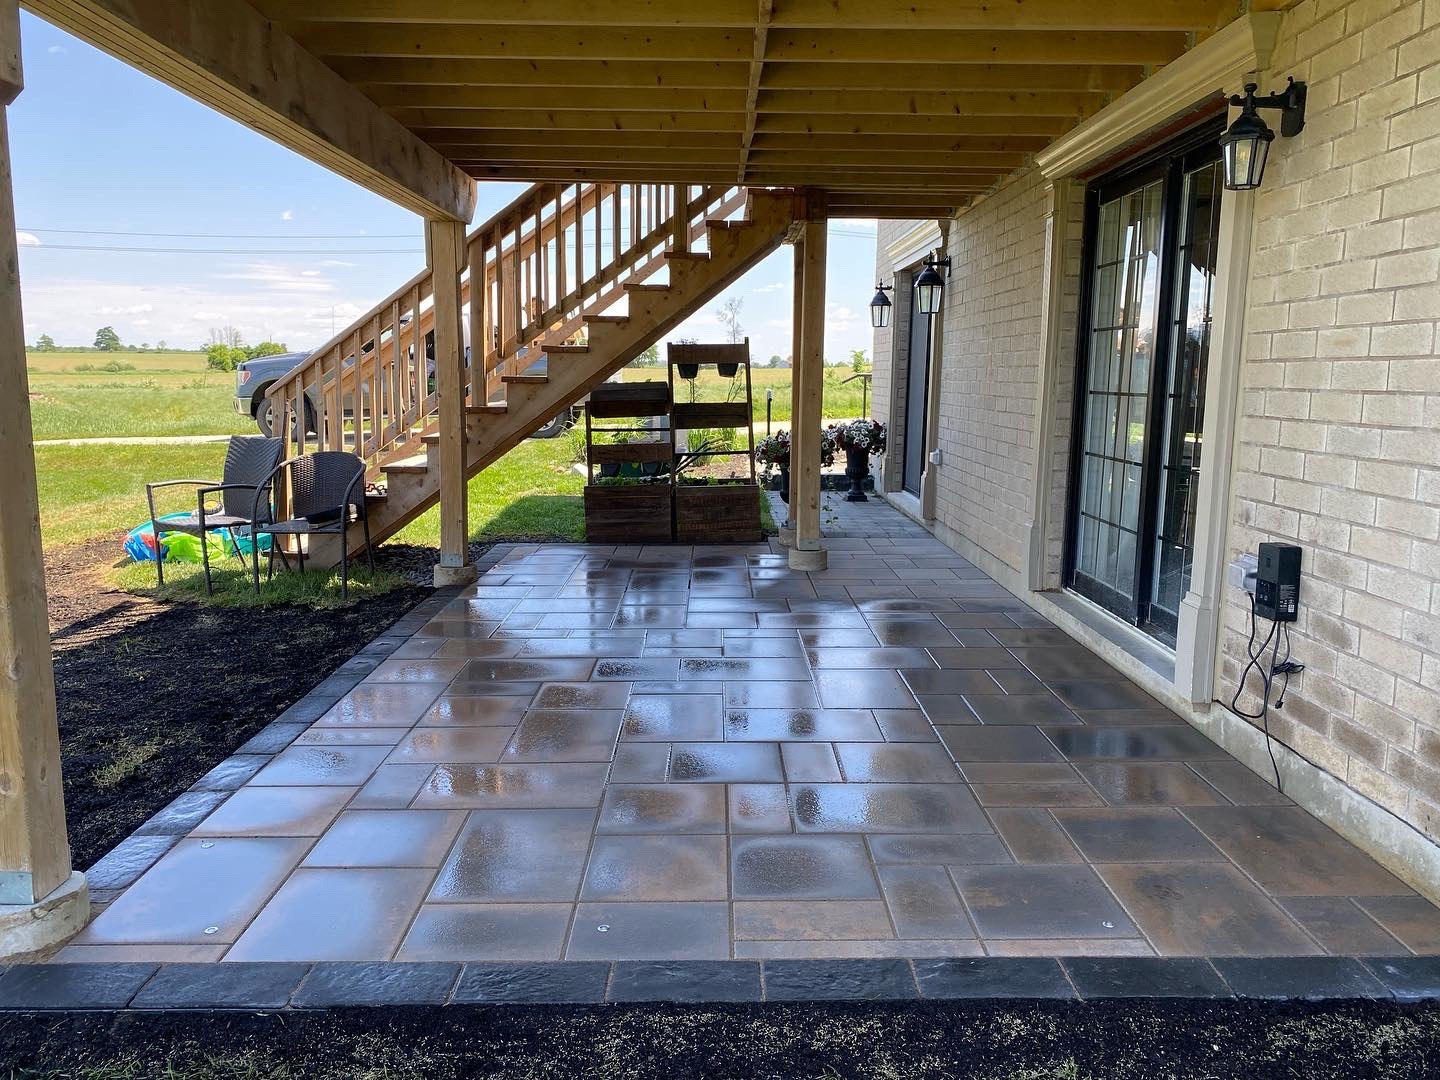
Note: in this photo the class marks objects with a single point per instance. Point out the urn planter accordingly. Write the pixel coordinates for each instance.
(857, 469)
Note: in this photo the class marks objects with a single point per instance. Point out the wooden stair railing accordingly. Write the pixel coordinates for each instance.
(558, 253)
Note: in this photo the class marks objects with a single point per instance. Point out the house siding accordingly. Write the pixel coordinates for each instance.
(1338, 426)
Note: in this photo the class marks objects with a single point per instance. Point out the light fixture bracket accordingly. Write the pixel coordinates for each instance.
(1290, 102)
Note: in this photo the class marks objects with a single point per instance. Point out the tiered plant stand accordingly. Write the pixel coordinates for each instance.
(627, 513)
(714, 512)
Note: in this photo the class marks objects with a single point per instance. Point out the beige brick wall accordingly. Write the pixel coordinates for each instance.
(1338, 442)
(1339, 446)
(990, 367)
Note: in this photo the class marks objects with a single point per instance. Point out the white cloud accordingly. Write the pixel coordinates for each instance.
(334, 263)
(25, 239)
(774, 286)
(57, 50)
(287, 215)
(279, 276)
(130, 309)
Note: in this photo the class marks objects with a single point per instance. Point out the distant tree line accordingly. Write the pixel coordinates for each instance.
(106, 340)
(226, 349)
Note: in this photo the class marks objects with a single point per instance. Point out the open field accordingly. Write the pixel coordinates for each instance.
(842, 400)
(84, 395)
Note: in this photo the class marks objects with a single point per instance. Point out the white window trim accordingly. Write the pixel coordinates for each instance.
(1219, 65)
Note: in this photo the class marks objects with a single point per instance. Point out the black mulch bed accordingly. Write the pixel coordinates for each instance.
(152, 694)
(1110, 1040)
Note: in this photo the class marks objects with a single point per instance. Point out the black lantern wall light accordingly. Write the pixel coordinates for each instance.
(880, 306)
(1245, 146)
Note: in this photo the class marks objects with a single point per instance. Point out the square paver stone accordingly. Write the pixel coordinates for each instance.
(656, 868)
(334, 915)
(487, 932)
(1149, 785)
(886, 808)
(650, 931)
(863, 690)
(686, 980)
(1148, 835)
(1208, 909)
(1159, 742)
(1000, 743)
(801, 867)
(1041, 902)
(387, 838)
(370, 705)
(665, 808)
(1412, 919)
(838, 980)
(202, 892)
(473, 710)
(897, 763)
(542, 786)
(337, 984)
(516, 855)
(992, 977)
(728, 762)
(565, 735)
(1409, 978)
(669, 717)
(801, 725)
(1341, 927)
(1290, 853)
(221, 986)
(276, 811)
(923, 902)
(454, 745)
(303, 766)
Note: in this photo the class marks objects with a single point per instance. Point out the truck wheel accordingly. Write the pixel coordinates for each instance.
(265, 420)
(554, 428)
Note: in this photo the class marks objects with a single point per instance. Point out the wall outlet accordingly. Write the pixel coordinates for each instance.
(1240, 574)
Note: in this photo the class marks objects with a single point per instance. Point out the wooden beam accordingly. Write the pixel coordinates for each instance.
(839, 123)
(818, 14)
(808, 374)
(224, 54)
(635, 156)
(724, 174)
(942, 102)
(596, 42)
(445, 245)
(520, 96)
(34, 851)
(733, 75)
(752, 92)
(507, 142)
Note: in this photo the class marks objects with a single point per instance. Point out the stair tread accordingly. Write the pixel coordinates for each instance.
(526, 380)
(409, 464)
(608, 320)
(637, 286)
(493, 409)
(688, 256)
(565, 349)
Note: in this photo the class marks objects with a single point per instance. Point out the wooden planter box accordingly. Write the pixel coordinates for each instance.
(628, 514)
(709, 513)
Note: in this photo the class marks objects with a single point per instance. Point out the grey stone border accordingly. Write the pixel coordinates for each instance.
(268, 987)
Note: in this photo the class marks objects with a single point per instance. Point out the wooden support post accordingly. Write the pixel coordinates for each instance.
(808, 383)
(797, 294)
(446, 246)
(41, 901)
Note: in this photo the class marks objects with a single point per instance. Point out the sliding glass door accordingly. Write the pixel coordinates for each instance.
(1150, 250)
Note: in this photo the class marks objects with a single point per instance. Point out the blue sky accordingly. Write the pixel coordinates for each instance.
(286, 249)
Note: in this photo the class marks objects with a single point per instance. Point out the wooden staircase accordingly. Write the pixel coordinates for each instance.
(626, 264)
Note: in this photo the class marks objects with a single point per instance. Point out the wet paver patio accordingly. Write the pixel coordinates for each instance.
(604, 752)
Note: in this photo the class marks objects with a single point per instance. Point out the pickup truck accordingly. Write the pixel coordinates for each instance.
(253, 380)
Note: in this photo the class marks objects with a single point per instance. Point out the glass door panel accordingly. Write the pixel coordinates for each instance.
(917, 388)
(1124, 303)
(1188, 352)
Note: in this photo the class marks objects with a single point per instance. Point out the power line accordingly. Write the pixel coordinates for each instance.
(230, 236)
(224, 251)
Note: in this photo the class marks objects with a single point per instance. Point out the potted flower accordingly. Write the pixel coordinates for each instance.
(773, 453)
(859, 439)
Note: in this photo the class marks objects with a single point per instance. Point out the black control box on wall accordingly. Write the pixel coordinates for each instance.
(1277, 582)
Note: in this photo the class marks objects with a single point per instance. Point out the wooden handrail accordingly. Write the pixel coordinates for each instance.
(556, 254)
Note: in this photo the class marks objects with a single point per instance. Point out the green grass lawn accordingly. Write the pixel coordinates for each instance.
(82, 395)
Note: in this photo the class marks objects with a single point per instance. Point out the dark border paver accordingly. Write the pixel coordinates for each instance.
(340, 983)
(838, 980)
(551, 982)
(72, 986)
(992, 977)
(686, 980)
(221, 986)
(1308, 978)
(1410, 978)
(1145, 977)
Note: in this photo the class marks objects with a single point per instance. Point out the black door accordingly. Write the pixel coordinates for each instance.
(1150, 252)
(917, 389)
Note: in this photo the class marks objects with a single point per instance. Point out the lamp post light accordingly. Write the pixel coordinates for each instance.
(929, 285)
(880, 306)
(1245, 146)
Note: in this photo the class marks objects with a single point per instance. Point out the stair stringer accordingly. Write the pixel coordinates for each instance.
(735, 247)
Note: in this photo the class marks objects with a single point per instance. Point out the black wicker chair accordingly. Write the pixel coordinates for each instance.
(250, 460)
(327, 496)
